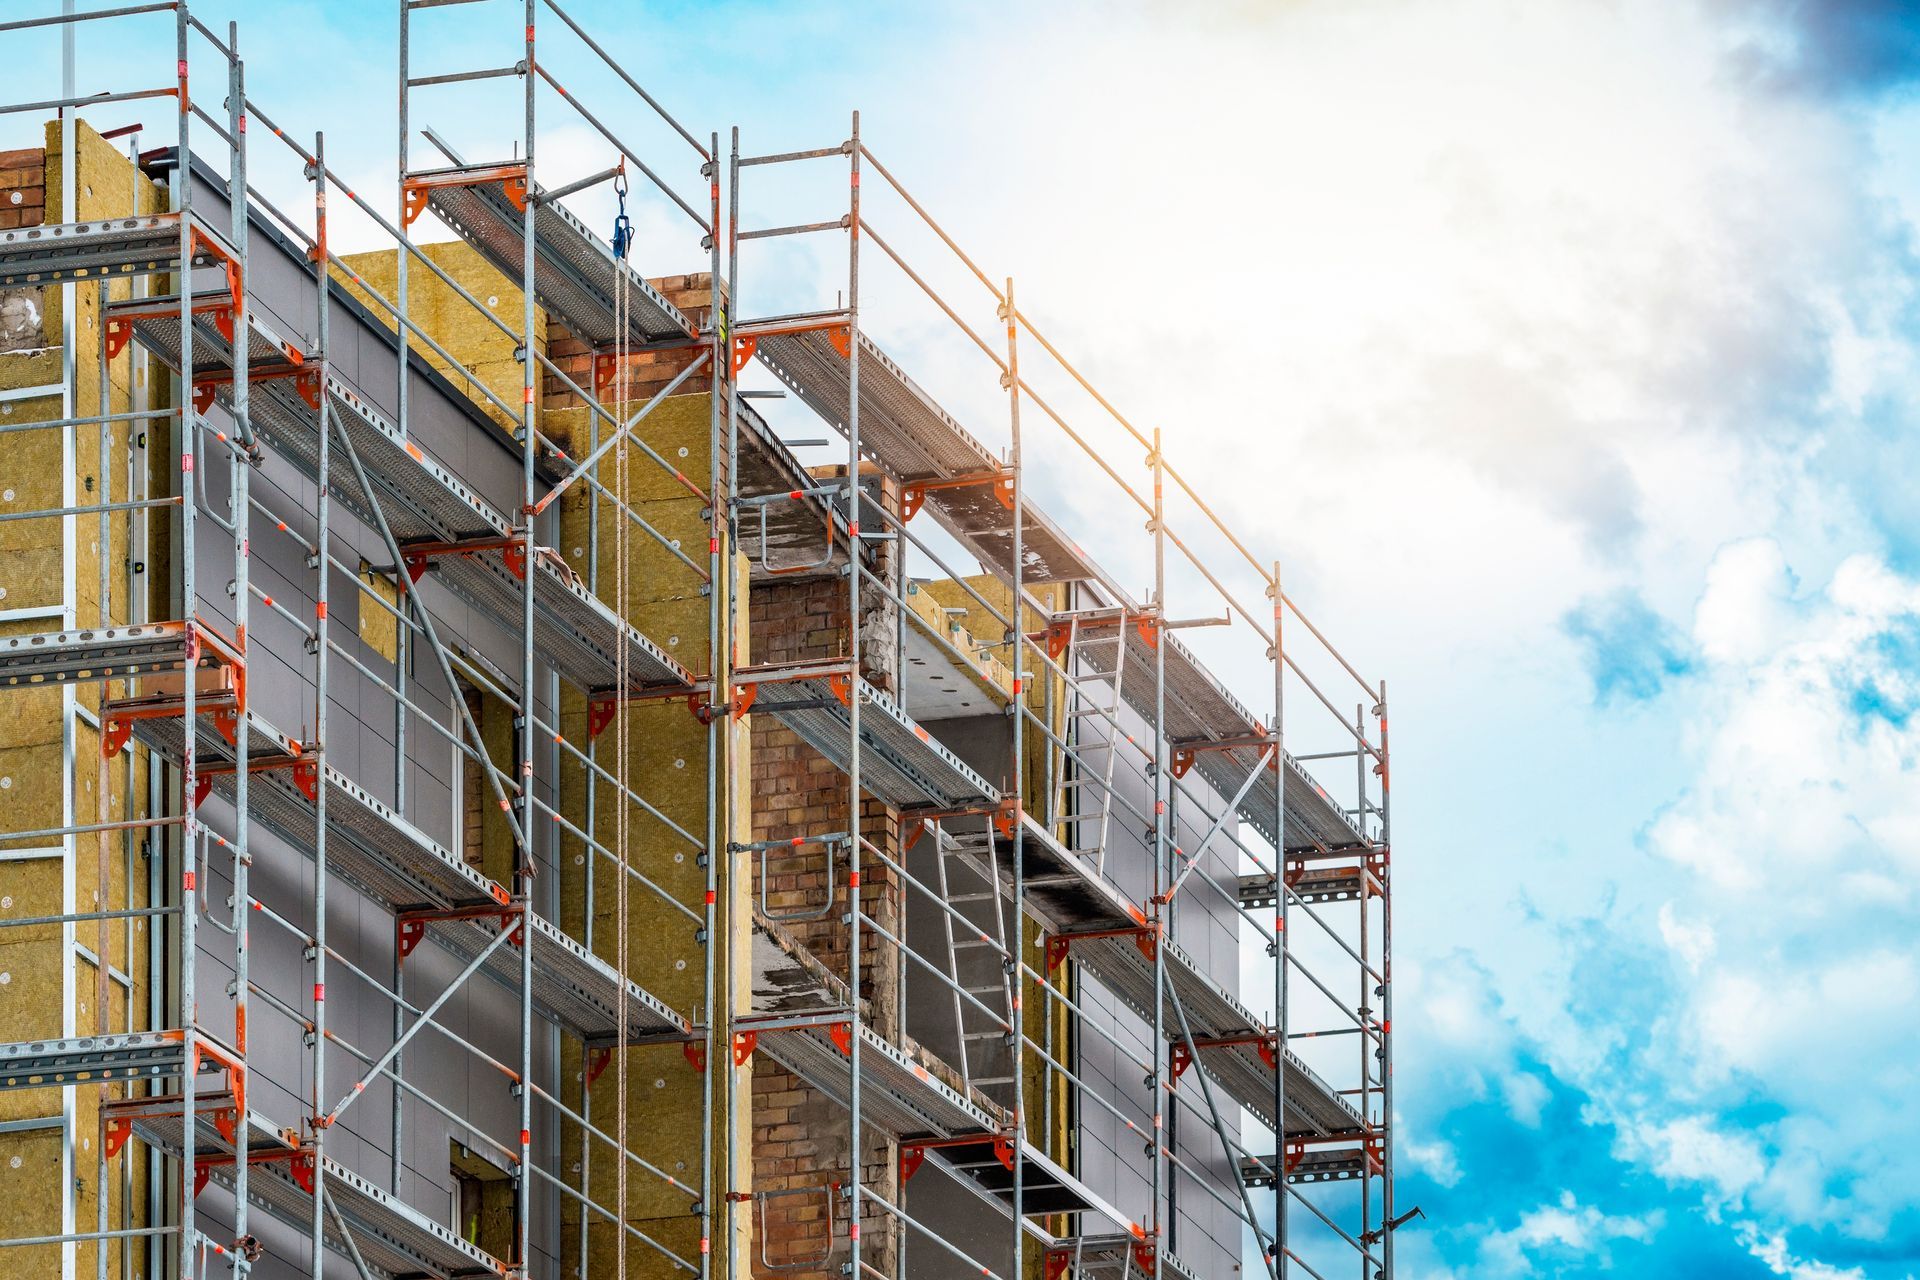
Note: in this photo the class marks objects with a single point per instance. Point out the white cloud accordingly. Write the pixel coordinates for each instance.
(1579, 1229)
(1692, 941)
(1772, 1250)
(1692, 1149)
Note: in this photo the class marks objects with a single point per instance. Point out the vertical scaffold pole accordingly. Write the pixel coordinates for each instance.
(1280, 1022)
(853, 697)
(1369, 1073)
(237, 203)
(719, 616)
(1161, 844)
(403, 343)
(189, 425)
(1386, 989)
(723, 691)
(323, 516)
(1016, 1041)
(523, 875)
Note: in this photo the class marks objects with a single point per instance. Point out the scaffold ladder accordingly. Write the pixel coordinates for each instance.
(1092, 661)
(982, 1033)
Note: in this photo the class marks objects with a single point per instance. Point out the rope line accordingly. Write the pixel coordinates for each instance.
(622, 608)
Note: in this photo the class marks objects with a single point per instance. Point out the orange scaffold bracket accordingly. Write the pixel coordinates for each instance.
(511, 177)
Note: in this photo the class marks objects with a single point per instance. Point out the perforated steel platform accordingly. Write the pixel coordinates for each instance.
(900, 763)
(1317, 1164)
(427, 506)
(1063, 890)
(1117, 960)
(395, 1240)
(1200, 712)
(1311, 884)
(1111, 1257)
(897, 1093)
(1047, 1188)
(143, 1055)
(395, 863)
(573, 269)
(111, 247)
(155, 324)
(798, 1013)
(913, 438)
(104, 653)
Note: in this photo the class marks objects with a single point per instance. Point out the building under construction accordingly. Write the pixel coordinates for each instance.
(536, 745)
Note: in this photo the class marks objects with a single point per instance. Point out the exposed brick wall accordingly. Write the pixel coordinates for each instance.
(23, 188)
(800, 1137)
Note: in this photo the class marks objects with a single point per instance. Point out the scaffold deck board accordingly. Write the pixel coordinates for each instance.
(388, 858)
(801, 1020)
(901, 763)
(110, 247)
(1316, 1164)
(1234, 1060)
(397, 1241)
(432, 513)
(1062, 889)
(1314, 1110)
(140, 1055)
(908, 433)
(155, 324)
(1201, 715)
(1110, 938)
(574, 270)
(1115, 1256)
(99, 653)
(1311, 884)
(1046, 1188)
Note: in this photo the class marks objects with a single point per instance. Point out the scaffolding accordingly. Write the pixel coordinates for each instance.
(1068, 903)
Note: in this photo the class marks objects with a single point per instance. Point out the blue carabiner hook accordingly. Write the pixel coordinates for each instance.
(622, 225)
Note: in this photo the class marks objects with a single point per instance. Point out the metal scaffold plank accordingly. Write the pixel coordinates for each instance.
(1312, 1164)
(915, 440)
(1091, 920)
(396, 1241)
(392, 861)
(802, 1019)
(574, 270)
(901, 763)
(140, 1055)
(1115, 1256)
(440, 522)
(108, 653)
(1212, 732)
(107, 248)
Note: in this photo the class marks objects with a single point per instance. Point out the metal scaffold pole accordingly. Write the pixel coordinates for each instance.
(189, 428)
(1385, 862)
(242, 465)
(726, 660)
(1281, 893)
(855, 843)
(1162, 845)
(1016, 1039)
(720, 552)
(323, 572)
(524, 869)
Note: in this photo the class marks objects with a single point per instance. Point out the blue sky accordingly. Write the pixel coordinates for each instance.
(1567, 355)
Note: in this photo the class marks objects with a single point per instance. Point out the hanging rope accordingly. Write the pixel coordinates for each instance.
(622, 240)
